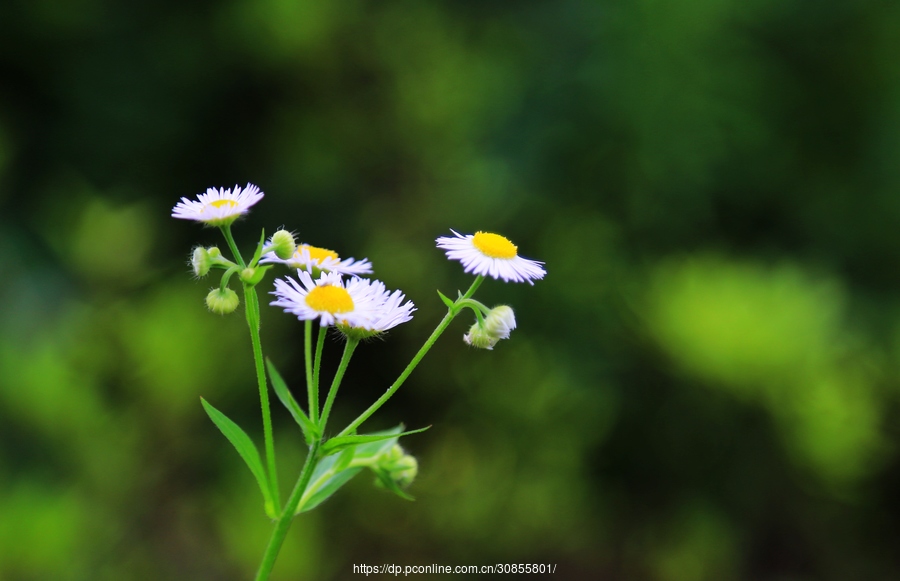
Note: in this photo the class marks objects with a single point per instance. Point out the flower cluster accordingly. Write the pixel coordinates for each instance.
(331, 290)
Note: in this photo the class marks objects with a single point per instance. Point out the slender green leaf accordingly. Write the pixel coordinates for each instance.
(258, 254)
(447, 301)
(245, 447)
(344, 459)
(374, 449)
(310, 431)
(341, 442)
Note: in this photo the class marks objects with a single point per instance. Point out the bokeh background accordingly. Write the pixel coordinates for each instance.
(704, 387)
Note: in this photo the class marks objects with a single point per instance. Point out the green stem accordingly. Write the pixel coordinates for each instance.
(311, 391)
(317, 365)
(226, 231)
(442, 326)
(287, 515)
(227, 276)
(336, 383)
(475, 284)
(251, 301)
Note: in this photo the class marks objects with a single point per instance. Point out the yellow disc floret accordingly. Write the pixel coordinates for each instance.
(329, 298)
(318, 254)
(223, 204)
(494, 245)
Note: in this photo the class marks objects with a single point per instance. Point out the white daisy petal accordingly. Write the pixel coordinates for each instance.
(313, 258)
(491, 255)
(383, 310)
(218, 206)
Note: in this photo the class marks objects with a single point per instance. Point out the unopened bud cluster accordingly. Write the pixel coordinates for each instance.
(498, 324)
(398, 466)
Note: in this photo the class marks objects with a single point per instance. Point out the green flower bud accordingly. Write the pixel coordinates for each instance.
(498, 324)
(222, 301)
(201, 262)
(405, 471)
(478, 337)
(247, 274)
(283, 244)
(397, 467)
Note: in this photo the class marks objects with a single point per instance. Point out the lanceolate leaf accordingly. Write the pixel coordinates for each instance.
(326, 480)
(244, 446)
(310, 431)
(447, 301)
(335, 444)
(371, 450)
(258, 254)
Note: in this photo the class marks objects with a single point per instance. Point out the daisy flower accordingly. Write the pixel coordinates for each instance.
(491, 255)
(218, 206)
(328, 299)
(314, 259)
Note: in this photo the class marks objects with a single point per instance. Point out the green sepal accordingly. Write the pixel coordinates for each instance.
(310, 430)
(245, 447)
(341, 442)
(447, 301)
(258, 254)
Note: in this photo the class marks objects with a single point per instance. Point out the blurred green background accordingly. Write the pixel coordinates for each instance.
(704, 387)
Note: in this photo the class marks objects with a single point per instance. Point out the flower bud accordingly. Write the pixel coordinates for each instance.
(222, 301)
(405, 471)
(498, 323)
(478, 337)
(201, 262)
(283, 244)
(397, 467)
(247, 274)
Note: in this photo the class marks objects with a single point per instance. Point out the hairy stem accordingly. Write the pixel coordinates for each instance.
(287, 515)
(251, 302)
(336, 383)
(312, 391)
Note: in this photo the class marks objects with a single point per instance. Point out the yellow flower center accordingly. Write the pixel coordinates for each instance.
(223, 204)
(494, 245)
(329, 298)
(318, 254)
